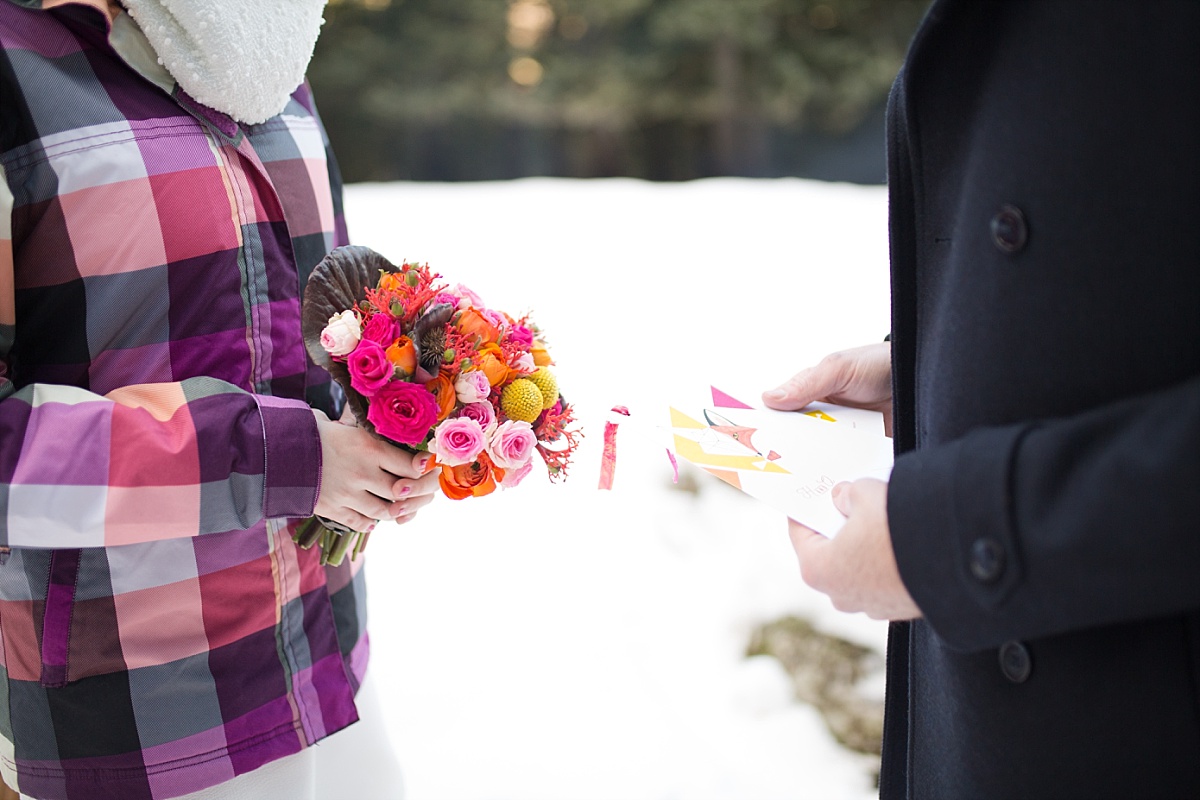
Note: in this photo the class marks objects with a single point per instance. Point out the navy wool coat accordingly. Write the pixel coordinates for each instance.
(1044, 179)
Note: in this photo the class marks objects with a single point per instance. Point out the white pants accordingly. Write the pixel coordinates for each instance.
(357, 763)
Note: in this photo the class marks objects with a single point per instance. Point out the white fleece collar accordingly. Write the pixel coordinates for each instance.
(241, 57)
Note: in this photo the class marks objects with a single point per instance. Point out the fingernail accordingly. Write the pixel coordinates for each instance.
(403, 491)
(422, 464)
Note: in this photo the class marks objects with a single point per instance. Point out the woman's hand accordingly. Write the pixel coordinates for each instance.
(365, 479)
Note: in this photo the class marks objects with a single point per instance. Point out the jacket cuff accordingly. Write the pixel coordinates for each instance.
(951, 520)
(292, 450)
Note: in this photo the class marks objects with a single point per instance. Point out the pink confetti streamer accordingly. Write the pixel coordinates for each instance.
(608, 460)
(674, 466)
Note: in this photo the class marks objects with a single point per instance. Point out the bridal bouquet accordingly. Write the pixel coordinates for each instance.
(431, 368)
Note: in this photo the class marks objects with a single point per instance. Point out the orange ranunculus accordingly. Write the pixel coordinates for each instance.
(541, 356)
(489, 362)
(442, 388)
(403, 354)
(391, 281)
(470, 480)
(472, 323)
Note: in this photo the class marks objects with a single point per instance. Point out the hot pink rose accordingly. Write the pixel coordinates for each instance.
(471, 387)
(458, 441)
(403, 412)
(521, 335)
(381, 329)
(481, 412)
(369, 368)
(511, 445)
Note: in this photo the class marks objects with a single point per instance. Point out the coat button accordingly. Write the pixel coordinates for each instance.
(987, 560)
(1015, 662)
(1009, 231)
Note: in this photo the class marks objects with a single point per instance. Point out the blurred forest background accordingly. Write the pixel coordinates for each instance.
(456, 90)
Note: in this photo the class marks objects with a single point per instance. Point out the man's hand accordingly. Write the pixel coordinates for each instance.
(857, 568)
(861, 377)
(365, 479)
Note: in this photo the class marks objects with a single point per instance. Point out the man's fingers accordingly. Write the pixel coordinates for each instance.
(841, 498)
(796, 392)
(809, 385)
(809, 546)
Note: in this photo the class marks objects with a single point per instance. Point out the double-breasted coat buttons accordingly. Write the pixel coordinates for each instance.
(1015, 661)
(1010, 232)
(986, 560)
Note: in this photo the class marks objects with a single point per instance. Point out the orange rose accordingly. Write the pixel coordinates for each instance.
(541, 356)
(403, 354)
(472, 323)
(496, 370)
(470, 480)
(442, 389)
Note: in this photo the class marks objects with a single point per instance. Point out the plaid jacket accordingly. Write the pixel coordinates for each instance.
(159, 632)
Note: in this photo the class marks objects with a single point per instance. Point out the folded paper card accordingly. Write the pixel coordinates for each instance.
(789, 460)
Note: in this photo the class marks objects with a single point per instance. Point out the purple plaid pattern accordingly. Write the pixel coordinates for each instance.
(159, 632)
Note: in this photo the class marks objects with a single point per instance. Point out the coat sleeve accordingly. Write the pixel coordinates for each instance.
(1037, 529)
(146, 462)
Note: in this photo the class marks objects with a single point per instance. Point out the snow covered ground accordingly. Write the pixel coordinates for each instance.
(557, 642)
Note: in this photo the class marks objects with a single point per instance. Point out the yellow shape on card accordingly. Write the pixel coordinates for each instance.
(693, 452)
(682, 420)
(819, 414)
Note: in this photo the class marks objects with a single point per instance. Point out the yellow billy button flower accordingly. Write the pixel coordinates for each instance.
(547, 385)
(521, 400)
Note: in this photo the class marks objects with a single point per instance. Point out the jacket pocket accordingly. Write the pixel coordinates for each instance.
(56, 619)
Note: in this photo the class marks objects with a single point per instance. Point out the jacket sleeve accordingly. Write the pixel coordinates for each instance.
(146, 462)
(1043, 528)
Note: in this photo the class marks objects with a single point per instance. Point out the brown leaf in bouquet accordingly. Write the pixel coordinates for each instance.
(338, 283)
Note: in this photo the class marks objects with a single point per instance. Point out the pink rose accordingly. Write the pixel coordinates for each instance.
(341, 335)
(511, 445)
(458, 441)
(471, 387)
(481, 412)
(514, 476)
(521, 335)
(381, 329)
(467, 295)
(403, 412)
(369, 368)
(524, 364)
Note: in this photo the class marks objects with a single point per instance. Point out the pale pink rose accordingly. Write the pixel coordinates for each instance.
(468, 297)
(341, 335)
(511, 445)
(483, 413)
(472, 386)
(458, 441)
(514, 476)
(524, 364)
(494, 317)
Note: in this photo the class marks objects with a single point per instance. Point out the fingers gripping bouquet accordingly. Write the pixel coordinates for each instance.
(431, 368)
